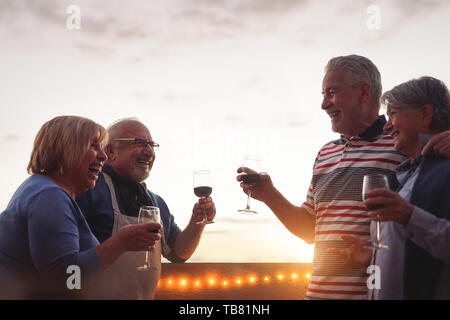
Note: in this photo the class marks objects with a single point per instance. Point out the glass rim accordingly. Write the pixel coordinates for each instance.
(202, 172)
(376, 175)
(252, 157)
(151, 208)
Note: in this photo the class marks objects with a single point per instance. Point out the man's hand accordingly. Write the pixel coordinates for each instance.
(356, 254)
(205, 207)
(439, 144)
(391, 207)
(262, 190)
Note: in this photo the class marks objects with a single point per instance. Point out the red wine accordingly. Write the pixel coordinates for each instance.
(372, 207)
(250, 178)
(202, 191)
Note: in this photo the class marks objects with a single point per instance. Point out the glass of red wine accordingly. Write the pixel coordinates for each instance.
(148, 214)
(370, 182)
(202, 189)
(254, 163)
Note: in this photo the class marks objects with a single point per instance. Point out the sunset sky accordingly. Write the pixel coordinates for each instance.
(213, 80)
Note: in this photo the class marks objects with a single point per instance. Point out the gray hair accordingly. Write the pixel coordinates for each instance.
(359, 68)
(416, 93)
(115, 127)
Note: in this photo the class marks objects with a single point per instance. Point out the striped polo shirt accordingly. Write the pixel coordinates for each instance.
(335, 198)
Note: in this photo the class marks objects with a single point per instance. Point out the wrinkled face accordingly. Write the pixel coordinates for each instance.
(85, 175)
(341, 102)
(128, 158)
(404, 126)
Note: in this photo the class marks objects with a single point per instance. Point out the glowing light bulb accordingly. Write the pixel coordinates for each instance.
(183, 282)
(252, 280)
(280, 277)
(238, 281)
(308, 275)
(294, 276)
(266, 278)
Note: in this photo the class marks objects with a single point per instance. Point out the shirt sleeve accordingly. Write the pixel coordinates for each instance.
(430, 232)
(308, 205)
(54, 236)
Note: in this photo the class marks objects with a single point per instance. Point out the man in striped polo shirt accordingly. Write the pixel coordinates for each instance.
(334, 208)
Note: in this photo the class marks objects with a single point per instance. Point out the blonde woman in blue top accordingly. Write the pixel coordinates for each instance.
(43, 231)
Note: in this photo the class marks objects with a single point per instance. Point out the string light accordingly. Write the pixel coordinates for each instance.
(252, 279)
(212, 281)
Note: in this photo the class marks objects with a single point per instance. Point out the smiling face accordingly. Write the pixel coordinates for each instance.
(343, 103)
(80, 178)
(90, 166)
(127, 158)
(405, 125)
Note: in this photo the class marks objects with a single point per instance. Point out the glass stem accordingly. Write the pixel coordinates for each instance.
(248, 199)
(378, 231)
(147, 258)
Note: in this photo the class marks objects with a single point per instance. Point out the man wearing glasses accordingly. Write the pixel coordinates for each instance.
(115, 201)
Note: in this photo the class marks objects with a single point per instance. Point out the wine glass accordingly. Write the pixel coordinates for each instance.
(375, 181)
(148, 214)
(202, 189)
(254, 163)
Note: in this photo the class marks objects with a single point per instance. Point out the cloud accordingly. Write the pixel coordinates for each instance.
(12, 138)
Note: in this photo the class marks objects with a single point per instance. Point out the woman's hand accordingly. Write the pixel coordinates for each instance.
(391, 207)
(139, 237)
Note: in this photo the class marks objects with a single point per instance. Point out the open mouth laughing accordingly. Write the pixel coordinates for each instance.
(334, 114)
(146, 161)
(95, 169)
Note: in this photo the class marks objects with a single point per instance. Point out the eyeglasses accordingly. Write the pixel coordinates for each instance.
(139, 142)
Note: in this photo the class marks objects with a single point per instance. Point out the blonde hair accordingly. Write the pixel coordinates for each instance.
(62, 142)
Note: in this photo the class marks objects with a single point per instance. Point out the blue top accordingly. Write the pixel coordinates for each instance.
(96, 205)
(42, 232)
(418, 251)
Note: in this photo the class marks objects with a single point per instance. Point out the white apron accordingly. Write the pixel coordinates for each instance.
(125, 282)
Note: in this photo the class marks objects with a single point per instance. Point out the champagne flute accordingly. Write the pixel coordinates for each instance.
(375, 181)
(202, 189)
(254, 163)
(148, 214)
